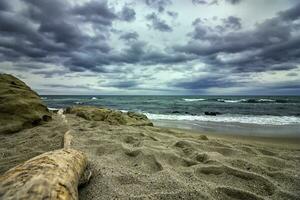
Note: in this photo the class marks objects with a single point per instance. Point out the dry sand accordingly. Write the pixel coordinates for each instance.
(23, 145)
(158, 163)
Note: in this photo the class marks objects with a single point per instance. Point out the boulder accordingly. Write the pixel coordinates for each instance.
(113, 117)
(20, 107)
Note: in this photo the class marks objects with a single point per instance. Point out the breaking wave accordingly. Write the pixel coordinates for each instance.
(191, 100)
(247, 119)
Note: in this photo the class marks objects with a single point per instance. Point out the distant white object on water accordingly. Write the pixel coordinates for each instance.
(94, 98)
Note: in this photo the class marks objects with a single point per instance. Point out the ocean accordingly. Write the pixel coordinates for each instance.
(247, 115)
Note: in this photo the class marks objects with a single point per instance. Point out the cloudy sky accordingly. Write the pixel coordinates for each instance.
(204, 47)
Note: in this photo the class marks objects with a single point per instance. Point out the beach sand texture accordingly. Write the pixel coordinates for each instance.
(23, 145)
(131, 159)
(158, 163)
(144, 162)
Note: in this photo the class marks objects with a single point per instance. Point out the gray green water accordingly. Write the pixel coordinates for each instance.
(247, 113)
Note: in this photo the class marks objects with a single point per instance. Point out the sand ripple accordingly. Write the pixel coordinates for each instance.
(156, 163)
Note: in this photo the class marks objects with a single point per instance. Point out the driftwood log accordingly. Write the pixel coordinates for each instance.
(52, 175)
(68, 139)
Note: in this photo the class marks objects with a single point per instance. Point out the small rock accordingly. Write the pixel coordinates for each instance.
(203, 137)
(212, 113)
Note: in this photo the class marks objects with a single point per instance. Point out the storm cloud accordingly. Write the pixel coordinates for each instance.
(158, 24)
(258, 49)
(164, 45)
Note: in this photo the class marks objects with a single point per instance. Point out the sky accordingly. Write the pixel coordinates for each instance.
(152, 47)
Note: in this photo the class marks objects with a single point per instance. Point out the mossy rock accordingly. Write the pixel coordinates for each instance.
(20, 107)
(203, 137)
(113, 117)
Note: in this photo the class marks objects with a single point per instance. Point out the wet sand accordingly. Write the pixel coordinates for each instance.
(239, 129)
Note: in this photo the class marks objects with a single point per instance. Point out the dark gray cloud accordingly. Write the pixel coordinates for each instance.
(291, 14)
(214, 2)
(67, 86)
(159, 5)
(284, 67)
(232, 22)
(292, 74)
(158, 24)
(50, 73)
(233, 1)
(122, 84)
(4, 5)
(196, 2)
(206, 82)
(127, 14)
(173, 14)
(108, 38)
(129, 36)
(257, 50)
(47, 30)
(97, 12)
(286, 85)
(50, 32)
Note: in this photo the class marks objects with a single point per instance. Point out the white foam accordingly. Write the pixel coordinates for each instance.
(190, 100)
(60, 111)
(53, 109)
(247, 119)
(266, 100)
(94, 98)
(43, 98)
(231, 101)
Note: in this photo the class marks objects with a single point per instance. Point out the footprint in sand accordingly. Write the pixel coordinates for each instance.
(236, 178)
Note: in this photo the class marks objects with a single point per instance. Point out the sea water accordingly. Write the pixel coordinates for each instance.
(250, 115)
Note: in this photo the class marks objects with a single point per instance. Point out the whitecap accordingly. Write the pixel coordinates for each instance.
(191, 100)
(266, 100)
(231, 101)
(94, 98)
(53, 109)
(247, 119)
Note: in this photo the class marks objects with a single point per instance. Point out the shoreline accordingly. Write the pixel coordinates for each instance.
(288, 142)
(290, 131)
(233, 129)
(155, 162)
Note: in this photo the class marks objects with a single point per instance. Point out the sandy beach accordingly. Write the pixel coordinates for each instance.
(149, 99)
(23, 145)
(122, 155)
(147, 162)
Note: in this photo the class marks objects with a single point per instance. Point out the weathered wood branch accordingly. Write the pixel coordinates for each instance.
(68, 139)
(52, 175)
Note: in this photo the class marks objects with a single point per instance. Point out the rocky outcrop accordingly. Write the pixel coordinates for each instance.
(113, 117)
(20, 107)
